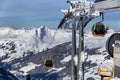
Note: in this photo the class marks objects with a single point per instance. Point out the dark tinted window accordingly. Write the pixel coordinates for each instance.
(49, 63)
(99, 30)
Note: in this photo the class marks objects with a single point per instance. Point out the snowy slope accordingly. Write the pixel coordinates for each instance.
(23, 52)
(36, 40)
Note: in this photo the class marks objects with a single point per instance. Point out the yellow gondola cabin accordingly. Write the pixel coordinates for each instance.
(105, 74)
(48, 63)
(99, 29)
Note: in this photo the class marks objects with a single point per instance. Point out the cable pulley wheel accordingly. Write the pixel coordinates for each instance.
(110, 43)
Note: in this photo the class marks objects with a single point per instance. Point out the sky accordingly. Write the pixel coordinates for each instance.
(36, 13)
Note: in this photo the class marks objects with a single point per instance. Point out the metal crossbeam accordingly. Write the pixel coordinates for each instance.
(107, 5)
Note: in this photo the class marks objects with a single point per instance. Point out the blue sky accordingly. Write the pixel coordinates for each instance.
(34, 13)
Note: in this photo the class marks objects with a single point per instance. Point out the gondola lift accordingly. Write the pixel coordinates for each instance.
(48, 63)
(99, 28)
(105, 74)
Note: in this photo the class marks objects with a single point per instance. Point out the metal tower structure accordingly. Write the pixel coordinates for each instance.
(82, 12)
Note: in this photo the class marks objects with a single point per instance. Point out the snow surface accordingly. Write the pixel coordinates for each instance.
(115, 79)
(66, 59)
(17, 44)
(56, 69)
(29, 67)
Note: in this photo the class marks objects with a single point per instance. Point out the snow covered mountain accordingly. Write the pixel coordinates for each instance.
(23, 51)
(36, 40)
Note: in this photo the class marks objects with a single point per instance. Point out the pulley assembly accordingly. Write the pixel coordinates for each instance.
(111, 41)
